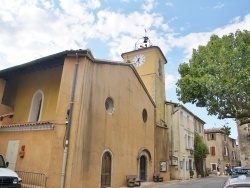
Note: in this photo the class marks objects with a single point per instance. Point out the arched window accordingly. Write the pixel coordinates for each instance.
(36, 106)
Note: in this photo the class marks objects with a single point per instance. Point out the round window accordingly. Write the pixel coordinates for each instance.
(144, 115)
(109, 105)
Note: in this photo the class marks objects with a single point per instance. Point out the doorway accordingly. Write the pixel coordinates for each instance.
(11, 153)
(106, 170)
(143, 168)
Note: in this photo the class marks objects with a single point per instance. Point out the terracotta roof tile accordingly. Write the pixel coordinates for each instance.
(27, 124)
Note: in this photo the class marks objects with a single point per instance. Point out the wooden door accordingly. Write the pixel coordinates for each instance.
(106, 170)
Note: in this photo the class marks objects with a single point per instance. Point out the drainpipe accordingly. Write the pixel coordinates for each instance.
(172, 135)
(66, 147)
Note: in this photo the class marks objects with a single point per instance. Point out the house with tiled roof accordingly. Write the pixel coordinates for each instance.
(183, 125)
(223, 150)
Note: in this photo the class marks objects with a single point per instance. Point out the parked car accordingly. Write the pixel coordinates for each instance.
(8, 178)
(236, 170)
(240, 170)
(238, 181)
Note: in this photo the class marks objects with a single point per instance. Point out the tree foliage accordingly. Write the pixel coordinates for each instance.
(218, 77)
(227, 130)
(200, 148)
(200, 152)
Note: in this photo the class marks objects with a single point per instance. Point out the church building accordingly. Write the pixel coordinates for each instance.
(86, 122)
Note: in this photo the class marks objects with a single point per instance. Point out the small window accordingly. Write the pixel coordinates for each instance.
(195, 125)
(144, 115)
(213, 166)
(109, 105)
(212, 150)
(181, 118)
(211, 136)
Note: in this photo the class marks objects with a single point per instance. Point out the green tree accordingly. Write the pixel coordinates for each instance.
(218, 77)
(227, 130)
(200, 153)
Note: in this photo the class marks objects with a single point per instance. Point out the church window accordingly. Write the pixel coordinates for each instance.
(144, 115)
(36, 106)
(109, 105)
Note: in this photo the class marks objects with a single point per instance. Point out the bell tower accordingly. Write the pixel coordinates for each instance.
(149, 62)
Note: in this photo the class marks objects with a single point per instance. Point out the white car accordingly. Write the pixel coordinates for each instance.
(238, 181)
(8, 178)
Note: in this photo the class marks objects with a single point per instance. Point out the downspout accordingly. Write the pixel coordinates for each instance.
(66, 147)
(172, 133)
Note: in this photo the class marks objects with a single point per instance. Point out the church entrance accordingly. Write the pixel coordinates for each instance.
(143, 168)
(106, 170)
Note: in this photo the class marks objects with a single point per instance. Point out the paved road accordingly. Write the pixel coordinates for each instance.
(207, 182)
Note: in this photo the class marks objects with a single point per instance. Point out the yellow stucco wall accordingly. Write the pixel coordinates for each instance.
(47, 81)
(94, 131)
(38, 144)
(153, 76)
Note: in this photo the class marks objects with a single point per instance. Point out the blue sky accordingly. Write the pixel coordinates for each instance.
(31, 29)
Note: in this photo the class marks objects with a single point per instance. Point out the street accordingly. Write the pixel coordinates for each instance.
(207, 182)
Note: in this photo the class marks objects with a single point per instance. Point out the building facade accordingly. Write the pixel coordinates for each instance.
(222, 148)
(85, 121)
(183, 124)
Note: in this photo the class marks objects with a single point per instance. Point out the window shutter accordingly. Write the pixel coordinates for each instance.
(214, 136)
(207, 137)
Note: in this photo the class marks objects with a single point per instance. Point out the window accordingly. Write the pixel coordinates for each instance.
(199, 128)
(225, 153)
(144, 115)
(212, 150)
(190, 164)
(233, 154)
(211, 136)
(195, 125)
(109, 105)
(233, 143)
(187, 167)
(188, 126)
(213, 166)
(189, 144)
(36, 106)
(181, 118)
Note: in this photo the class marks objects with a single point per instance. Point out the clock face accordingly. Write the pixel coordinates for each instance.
(138, 60)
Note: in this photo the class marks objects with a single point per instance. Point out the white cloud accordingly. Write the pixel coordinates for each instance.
(170, 81)
(148, 5)
(169, 4)
(31, 29)
(193, 40)
(219, 5)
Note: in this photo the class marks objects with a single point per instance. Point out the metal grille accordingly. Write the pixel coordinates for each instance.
(4, 181)
(33, 179)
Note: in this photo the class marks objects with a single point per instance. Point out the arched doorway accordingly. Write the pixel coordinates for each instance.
(144, 159)
(143, 168)
(106, 170)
